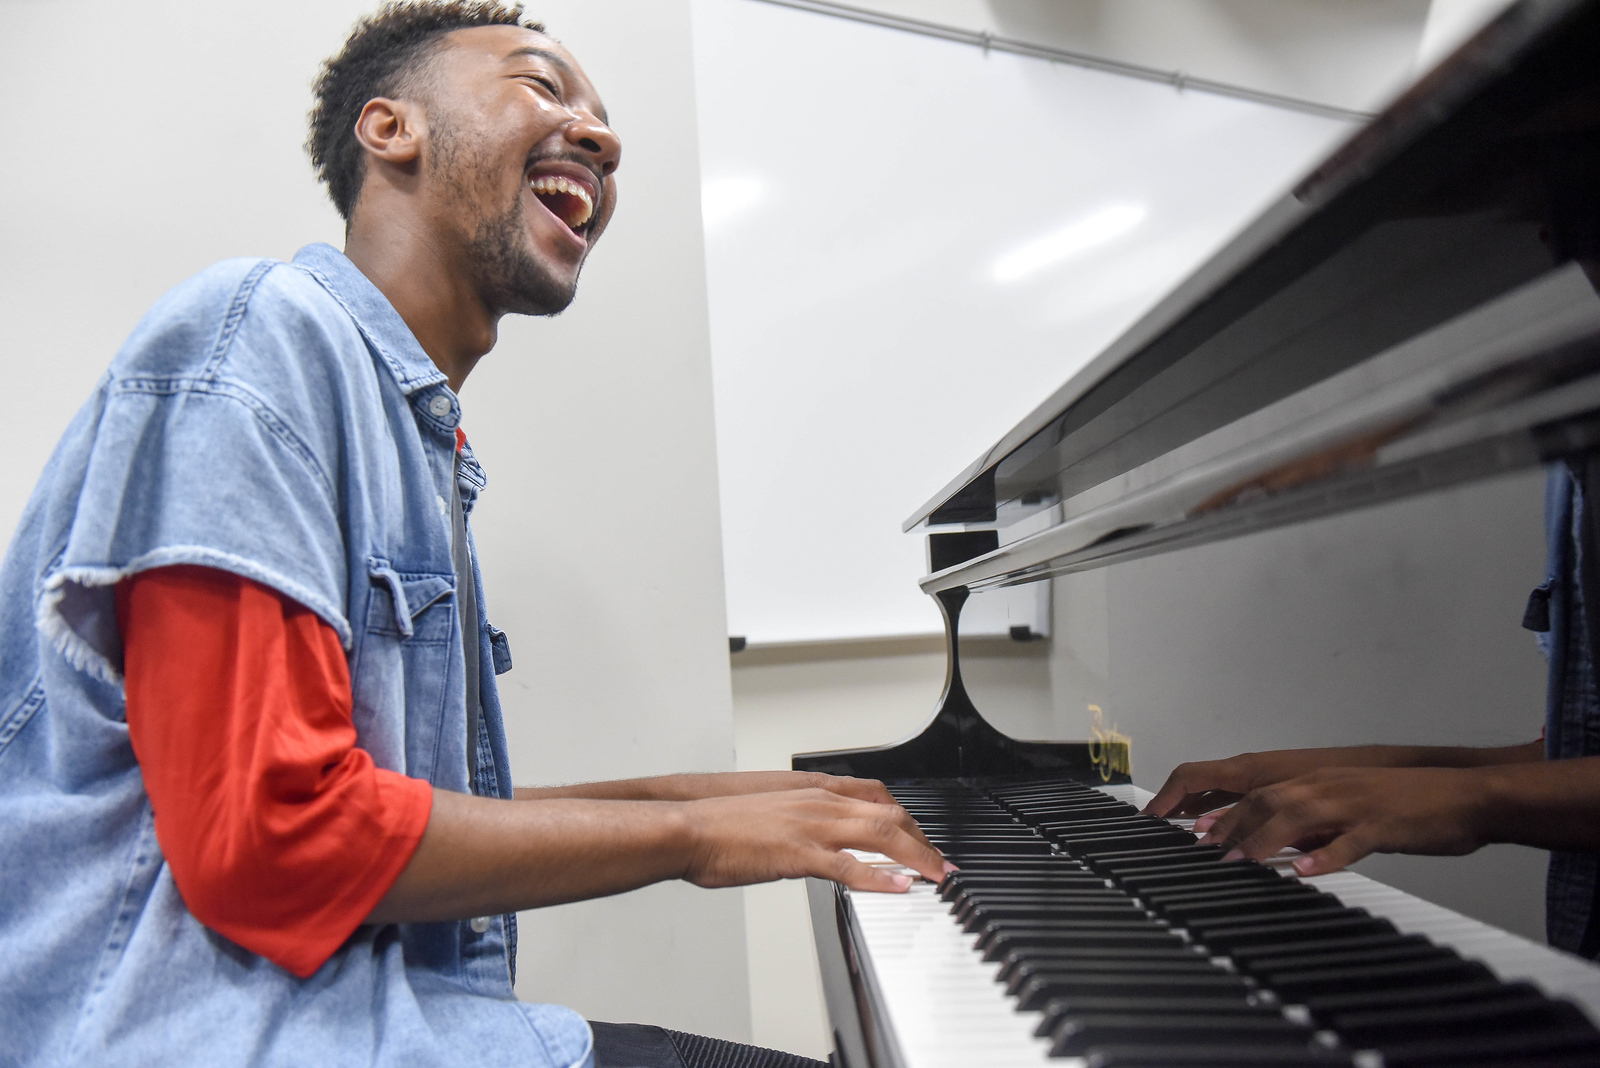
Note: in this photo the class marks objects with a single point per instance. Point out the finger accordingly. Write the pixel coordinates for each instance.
(1173, 791)
(860, 789)
(889, 837)
(843, 868)
(1336, 855)
(1237, 823)
(1195, 779)
(903, 819)
(1271, 836)
(1207, 821)
(1201, 803)
(915, 830)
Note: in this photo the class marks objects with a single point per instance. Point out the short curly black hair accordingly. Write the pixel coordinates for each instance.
(380, 54)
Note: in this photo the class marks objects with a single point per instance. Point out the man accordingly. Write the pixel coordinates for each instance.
(255, 805)
(1342, 804)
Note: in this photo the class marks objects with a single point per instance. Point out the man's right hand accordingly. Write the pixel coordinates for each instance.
(1200, 787)
(757, 838)
(1204, 785)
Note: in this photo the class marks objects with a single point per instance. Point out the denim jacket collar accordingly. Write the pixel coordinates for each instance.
(374, 316)
(418, 376)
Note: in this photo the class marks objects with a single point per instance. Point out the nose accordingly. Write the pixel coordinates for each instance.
(595, 138)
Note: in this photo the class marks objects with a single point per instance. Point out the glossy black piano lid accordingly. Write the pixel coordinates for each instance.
(1482, 177)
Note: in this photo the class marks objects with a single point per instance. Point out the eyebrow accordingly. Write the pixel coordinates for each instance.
(545, 53)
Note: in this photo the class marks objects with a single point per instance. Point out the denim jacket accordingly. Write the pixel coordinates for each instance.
(278, 421)
(1564, 611)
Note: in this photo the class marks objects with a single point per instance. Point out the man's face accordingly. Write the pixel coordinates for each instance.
(522, 162)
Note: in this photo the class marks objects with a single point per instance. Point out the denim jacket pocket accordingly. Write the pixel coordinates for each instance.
(410, 595)
(500, 649)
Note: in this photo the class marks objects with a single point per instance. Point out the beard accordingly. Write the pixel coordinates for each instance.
(510, 278)
(508, 274)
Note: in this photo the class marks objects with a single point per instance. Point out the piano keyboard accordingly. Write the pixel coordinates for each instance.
(1080, 933)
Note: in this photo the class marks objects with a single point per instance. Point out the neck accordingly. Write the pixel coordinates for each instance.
(429, 284)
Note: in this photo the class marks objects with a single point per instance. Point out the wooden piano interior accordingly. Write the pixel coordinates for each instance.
(1414, 326)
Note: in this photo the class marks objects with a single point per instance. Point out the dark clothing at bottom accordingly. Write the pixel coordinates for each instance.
(647, 1046)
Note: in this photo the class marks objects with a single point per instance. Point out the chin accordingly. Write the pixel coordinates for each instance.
(539, 291)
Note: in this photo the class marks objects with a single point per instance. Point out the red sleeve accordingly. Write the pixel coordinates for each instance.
(281, 834)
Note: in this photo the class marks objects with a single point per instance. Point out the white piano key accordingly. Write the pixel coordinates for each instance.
(946, 1007)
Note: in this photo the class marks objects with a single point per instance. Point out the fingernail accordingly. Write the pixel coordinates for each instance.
(1205, 839)
(1233, 854)
(1306, 865)
(949, 867)
(901, 882)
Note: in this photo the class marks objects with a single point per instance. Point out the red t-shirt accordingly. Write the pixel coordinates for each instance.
(281, 834)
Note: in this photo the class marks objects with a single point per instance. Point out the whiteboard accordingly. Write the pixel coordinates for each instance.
(909, 244)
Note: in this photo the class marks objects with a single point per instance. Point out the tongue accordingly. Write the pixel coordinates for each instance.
(562, 205)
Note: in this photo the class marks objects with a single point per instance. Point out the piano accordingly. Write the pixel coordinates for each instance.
(1419, 312)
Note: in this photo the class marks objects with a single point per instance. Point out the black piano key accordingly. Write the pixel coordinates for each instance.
(1019, 847)
(1039, 990)
(1291, 986)
(1326, 1006)
(963, 904)
(1110, 862)
(1038, 891)
(1036, 972)
(1530, 1012)
(1076, 1035)
(1145, 1055)
(1025, 877)
(1069, 828)
(1059, 1008)
(1033, 814)
(962, 858)
(964, 908)
(1089, 846)
(1233, 871)
(1245, 957)
(1003, 942)
(1226, 940)
(1419, 950)
(1020, 963)
(987, 917)
(1260, 888)
(1305, 911)
(1181, 865)
(1020, 930)
(1035, 808)
(1188, 913)
(1536, 1048)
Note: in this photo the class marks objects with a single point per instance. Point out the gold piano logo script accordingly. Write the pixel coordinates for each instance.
(1108, 749)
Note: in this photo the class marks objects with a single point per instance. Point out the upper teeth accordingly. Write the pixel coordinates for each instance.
(555, 183)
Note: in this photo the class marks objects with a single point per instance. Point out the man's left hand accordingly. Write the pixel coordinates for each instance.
(1340, 815)
(731, 783)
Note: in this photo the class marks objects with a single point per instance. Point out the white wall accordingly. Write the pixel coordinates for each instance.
(143, 146)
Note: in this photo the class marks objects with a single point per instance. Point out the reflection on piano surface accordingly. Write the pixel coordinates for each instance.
(1421, 312)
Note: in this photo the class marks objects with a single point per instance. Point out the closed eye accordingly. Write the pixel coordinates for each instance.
(547, 83)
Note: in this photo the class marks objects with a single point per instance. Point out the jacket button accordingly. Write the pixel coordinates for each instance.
(439, 406)
(480, 924)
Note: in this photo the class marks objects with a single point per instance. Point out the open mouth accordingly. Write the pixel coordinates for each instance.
(566, 199)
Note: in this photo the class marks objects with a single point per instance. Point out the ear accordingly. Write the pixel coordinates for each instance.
(392, 130)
